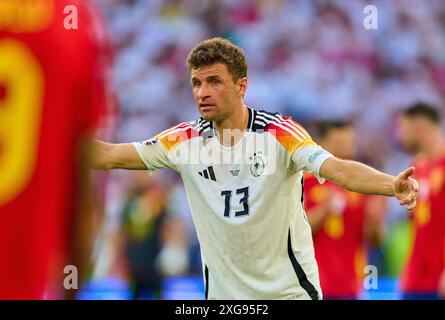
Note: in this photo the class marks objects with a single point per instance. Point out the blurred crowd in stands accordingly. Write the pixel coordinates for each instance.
(313, 60)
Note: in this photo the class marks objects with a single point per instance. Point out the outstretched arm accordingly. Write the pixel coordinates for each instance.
(358, 177)
(107, 156)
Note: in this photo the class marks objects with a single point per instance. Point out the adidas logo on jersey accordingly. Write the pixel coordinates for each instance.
(234, 172)
(208, 173)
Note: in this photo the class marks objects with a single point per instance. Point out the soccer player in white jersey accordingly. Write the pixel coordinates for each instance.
(242, 169)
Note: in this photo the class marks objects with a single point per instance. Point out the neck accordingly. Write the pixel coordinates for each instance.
(234, 126)
(433, 146)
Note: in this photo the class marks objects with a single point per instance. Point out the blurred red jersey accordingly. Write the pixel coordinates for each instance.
(340, 242)
(51, 94)
(427, 259)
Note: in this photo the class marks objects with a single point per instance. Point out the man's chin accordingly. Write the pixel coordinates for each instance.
(208, 115)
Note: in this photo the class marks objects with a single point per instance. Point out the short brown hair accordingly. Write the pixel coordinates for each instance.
(324, 127)
(425, 110)
(221, 50)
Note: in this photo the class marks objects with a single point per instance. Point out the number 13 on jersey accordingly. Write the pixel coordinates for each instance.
(244, 200)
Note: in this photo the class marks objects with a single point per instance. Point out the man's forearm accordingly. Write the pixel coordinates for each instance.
(101, 155)
(358, 177)
(106, 156)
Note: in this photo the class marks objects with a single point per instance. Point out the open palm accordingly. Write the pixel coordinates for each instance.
(406, 188)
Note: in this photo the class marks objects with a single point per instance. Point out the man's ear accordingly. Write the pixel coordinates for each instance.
(242, 86)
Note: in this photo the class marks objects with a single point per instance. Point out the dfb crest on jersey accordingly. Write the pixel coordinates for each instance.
(257, 166)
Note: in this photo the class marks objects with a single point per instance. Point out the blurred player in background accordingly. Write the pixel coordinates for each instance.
(52, 96)
(144, 214)
(342, 221)
(420, 133)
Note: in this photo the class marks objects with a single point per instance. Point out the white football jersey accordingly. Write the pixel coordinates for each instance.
(247, 204)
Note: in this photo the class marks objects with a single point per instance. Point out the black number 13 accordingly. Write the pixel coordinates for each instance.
(227, 194)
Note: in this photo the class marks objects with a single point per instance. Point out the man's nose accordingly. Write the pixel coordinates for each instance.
(203, 92)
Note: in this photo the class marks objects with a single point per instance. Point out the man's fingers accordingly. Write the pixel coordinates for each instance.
(409, 198)
(412, 185)
(408, 202)
(415, 184)
(412, 205)
(406, 183)
(407, 173)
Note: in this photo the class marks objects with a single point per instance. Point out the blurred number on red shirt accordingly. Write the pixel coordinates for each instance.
(52, 93)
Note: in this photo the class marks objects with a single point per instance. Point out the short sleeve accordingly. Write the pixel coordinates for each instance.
(301, 150)
(158, 152)
(154, 155)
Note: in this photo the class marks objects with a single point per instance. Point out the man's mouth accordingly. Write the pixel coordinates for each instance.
(205, 106)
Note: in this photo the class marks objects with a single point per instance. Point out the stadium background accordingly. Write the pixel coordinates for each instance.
(309, 59)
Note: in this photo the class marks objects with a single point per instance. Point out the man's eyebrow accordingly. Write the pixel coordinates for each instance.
(208, 78)
(213, 77)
